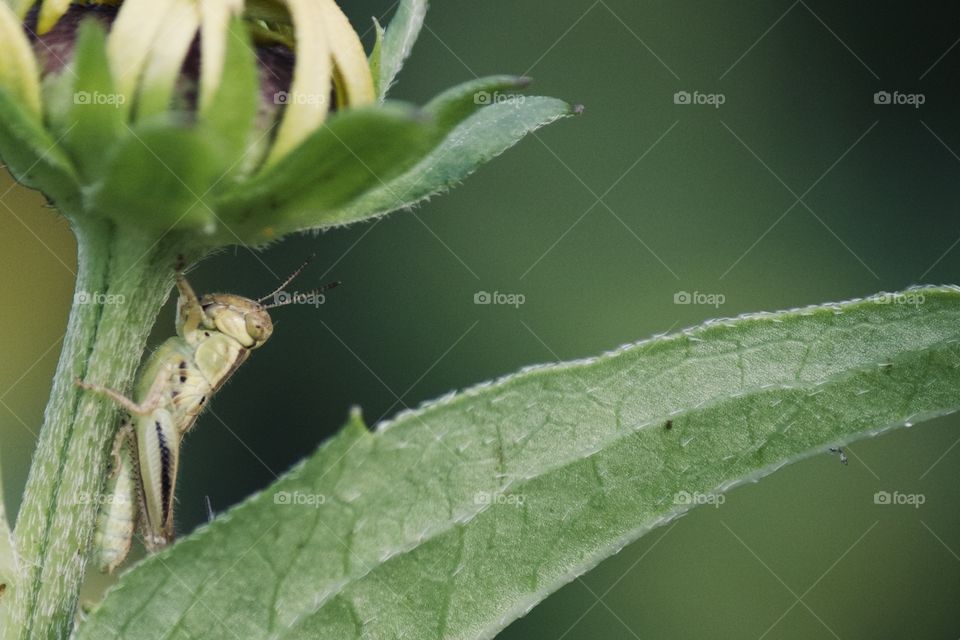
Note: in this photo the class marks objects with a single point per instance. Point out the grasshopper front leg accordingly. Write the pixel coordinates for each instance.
(155, 395)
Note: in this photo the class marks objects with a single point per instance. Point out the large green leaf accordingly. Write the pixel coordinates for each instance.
(452, 520)
(483, 136)
(398, 41)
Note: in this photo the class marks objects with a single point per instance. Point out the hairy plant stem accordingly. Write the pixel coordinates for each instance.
(122, 281)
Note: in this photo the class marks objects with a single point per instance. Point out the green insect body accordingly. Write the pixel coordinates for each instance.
(118, 515)
(215, 335)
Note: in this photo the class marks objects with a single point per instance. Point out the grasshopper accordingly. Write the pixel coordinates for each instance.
(215, 335)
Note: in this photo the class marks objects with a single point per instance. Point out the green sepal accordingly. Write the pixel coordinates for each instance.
(376, 55)
(160, 178)
(230, 114)
(398, 41)
(93, 120)
(34, 157)
(477, 140)
(456, 104)
(353, 152)
(270, 11)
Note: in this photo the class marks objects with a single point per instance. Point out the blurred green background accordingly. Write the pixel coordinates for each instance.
(598, 222)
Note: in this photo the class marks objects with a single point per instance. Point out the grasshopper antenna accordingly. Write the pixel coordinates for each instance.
(289, 279)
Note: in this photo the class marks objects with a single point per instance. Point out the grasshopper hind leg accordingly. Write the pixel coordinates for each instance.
(158, 453)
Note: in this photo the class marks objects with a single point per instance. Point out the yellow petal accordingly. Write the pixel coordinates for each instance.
(354, 81)
(50, 12)
(166, 57)
(21, 7)
(18, 66)
(131, 38)
(215, 18)
(309, 97)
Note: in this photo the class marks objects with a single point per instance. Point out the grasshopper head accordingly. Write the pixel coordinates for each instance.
(245, 320)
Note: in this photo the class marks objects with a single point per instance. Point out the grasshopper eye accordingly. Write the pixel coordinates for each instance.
(259, 327)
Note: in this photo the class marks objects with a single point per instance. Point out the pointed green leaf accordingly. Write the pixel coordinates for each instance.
(482, 137)
(93, 120)
(456, 104)
(354, 168)
(231, 110)
(398, 40)
(354, 151)
(452, 520)
(34, 158)
(271, 11)
(217, 19)
(375, 56)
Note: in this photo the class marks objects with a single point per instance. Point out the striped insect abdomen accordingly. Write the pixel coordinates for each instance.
(118, 509)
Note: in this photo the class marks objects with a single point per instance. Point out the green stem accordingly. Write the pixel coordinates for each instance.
(103, 344)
